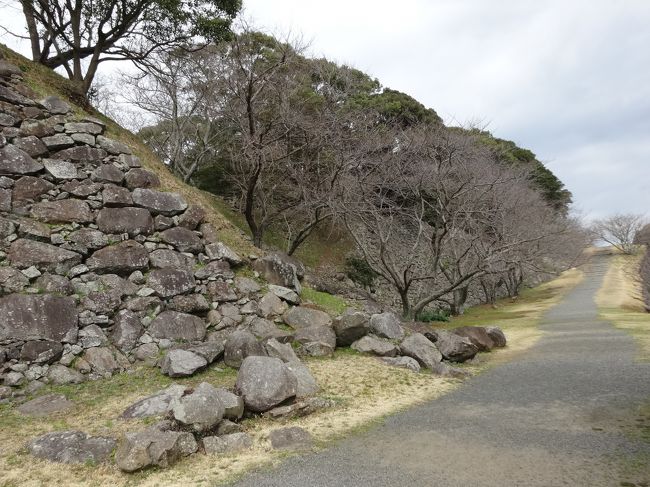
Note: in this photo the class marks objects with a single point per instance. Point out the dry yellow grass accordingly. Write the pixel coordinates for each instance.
(620, 299)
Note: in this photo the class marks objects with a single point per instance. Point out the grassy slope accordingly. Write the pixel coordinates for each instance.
(620, 300)
(45, 82)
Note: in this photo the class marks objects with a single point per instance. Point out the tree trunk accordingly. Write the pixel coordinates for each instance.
(459, 298)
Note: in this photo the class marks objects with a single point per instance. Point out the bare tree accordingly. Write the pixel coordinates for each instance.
(619, 230)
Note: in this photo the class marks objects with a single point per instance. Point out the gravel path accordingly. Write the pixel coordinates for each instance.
(564, 413)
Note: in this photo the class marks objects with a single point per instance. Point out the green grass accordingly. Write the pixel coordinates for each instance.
(333, 305)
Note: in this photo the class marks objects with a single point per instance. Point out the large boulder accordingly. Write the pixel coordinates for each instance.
(283, 351)
(105, 361)
(497, 336)
(182, 363)
(454, 348)
(350, 327)
(177, 326)
(375, 346)
(316, 341)
(478, 335)
(285, 294)
(26, 253)
(386, 325)
(200, 410)
(134, 221)
(232, 403)
(265, 382)
(159, 202)
(302, 317)
(62, 211)
(60, 375)
(306, 383)
(170, 282)
(279, 269)
(38, 317)
(421, 349)
(72, 447)
(153, 447)
(122, 258)
(271, 306)
(239, 345)
(155, 405)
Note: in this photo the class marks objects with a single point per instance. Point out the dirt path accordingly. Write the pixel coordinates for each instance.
(568, 412)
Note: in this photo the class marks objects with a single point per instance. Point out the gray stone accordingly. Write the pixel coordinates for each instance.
(210, 350)
(283, 351)
(285, 294)
(306, 383)
(302, 317)
(38, 317)
(189, 303)
(181, 363)
(153, 447)
(177, 326)
(163, 258)
(134, 221)
(279, 269)
(350, 327)
(72, 447)
(12, 280)
(87, 139)
(403, 362)
(221, 291)
(30, 188)
(55, 105)
(25, 253)
(81, 153)
(112, 146)
(265, 329)
(7, 227)
(61, 170)
(159, 202)
(83, 127)
(265, 382)
(126, 330)
(147, 352)
(83, 188)
(478, 335)
(386, 325)
(155, 405)
(375, 346)
(141, 178)
(58, 142)
(497, 336)
(62, 211)
(107, 173)
(291, 438)
(183, 239)
(215, 269)
(232, 403)
(89, 238)
(54, 284)
(454, 348)
(61, 375)
(239, 345)
(270, 306)
(316, 341)
(192, 218)
(170, 282)
(201, 409)
(122, 258)
(32, 145)
(105, 361)
(15, 161)
(129, 160)
(39, 129)
(41, 351)
(421, 349)
(102, 302)
(45, 405)
(92, 336)
(117, 196)
(232, 443)
(220, 251)
(14, 379)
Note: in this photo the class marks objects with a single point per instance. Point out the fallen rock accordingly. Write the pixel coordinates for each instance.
(291, 438)
(105, 361)
(375, 346)
(155, 405)
(316, 341)
(239, 345)
(421, 349)
(283, 351)
(232, 443)
(45, 405)
(478, 335)
(497, 336)
(386, 325)
(350, 327)
(302, 317)
(153, 447)
(402, 362)
(72, 447)
(182, 363)
(279, 269)
(61, 375)
(306, 385)
(265, 382)
(454, 348)
(201, 409)
(232, 403)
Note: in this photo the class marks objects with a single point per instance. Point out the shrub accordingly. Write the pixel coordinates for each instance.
(433, 315)
(359, 271)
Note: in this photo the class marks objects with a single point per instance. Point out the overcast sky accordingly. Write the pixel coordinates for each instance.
(568, 79)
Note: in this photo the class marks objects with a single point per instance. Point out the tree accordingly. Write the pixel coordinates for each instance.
(79, 35)
(619, 230)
